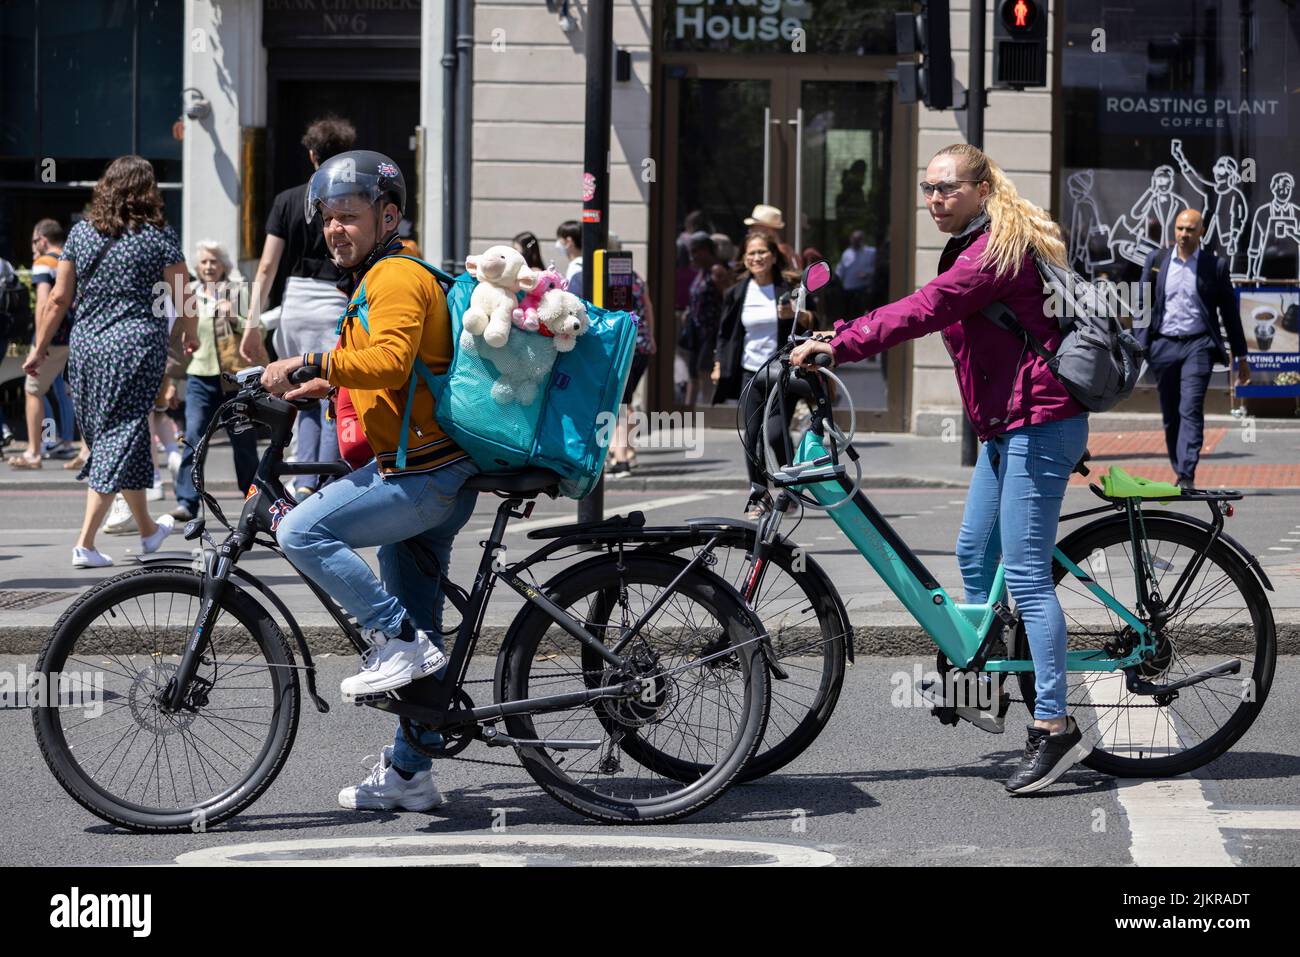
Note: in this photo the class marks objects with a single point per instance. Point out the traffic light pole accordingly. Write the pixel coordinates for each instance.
(595, 180)
(975, 137)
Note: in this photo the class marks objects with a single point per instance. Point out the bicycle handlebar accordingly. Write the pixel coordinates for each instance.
(304, 374)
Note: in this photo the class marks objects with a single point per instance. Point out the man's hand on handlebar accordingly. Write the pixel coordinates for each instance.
(804, 354)
(314, 389)
(275, 378)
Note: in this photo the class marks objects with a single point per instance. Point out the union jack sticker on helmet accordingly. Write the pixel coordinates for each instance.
(387, 169)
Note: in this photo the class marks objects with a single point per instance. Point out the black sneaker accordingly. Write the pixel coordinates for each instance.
(1047, 757)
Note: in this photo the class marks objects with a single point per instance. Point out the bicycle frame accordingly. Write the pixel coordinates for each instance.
(428, 700)
(963, 632)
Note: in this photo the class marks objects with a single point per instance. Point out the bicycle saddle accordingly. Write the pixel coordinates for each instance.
(527, 482)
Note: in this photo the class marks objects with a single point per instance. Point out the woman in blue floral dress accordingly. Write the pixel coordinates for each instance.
(121, 263)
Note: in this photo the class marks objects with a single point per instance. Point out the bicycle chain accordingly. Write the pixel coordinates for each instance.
(1026, 703)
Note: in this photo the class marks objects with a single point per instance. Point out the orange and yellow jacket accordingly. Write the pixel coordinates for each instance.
(407, 315)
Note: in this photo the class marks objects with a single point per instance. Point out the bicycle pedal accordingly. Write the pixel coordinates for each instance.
(931, 692)
(984, 720)
(365, 698)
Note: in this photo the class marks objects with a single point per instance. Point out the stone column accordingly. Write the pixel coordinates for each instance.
(226, 64)
(1018, 135)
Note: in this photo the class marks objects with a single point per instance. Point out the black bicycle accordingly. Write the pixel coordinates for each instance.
(634, 686)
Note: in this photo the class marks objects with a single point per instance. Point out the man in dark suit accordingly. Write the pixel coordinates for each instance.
(1192, 293)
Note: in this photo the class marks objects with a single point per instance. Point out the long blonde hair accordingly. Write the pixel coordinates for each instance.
(1016, 225)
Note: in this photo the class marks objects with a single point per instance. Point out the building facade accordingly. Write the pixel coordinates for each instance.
(726, 104)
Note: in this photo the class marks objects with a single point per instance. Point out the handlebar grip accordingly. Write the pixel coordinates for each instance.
(304, 374)
(823, 359)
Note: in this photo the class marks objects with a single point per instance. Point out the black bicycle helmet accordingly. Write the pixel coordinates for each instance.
(356, 173)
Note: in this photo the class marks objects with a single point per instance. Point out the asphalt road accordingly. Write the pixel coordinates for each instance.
(883, 785)
(39, 527)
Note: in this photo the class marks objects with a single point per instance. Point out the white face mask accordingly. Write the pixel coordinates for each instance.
(561, 250)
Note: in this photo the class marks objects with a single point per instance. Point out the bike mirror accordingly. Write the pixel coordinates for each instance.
(816, 275)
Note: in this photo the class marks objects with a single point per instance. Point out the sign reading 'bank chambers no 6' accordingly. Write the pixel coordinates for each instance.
(387, 23)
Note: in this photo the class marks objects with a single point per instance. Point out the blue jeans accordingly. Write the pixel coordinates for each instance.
(203, 396)
(1012, 511)
(318, 441)
(364, 509)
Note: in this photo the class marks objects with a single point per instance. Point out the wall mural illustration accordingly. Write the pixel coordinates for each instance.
(1264, 245)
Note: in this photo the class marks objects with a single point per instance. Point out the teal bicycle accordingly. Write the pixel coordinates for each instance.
(1171, 639)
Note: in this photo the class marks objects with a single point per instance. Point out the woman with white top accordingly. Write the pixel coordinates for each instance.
(755, 324)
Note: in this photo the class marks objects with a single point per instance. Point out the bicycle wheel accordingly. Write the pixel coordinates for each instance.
(1222, 614)
(809, 630)
(134, 765)
(707, 706)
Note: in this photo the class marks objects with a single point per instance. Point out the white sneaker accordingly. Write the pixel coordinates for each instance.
(120, 521)
(385, 789)
(89, 558)
(391, 664)
(174, 463)
(165, 525)
(155, 492)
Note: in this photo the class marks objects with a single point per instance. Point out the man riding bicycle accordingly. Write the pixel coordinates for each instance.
(360, 197)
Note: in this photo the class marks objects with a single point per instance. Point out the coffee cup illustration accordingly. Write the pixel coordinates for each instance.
(1264, 318)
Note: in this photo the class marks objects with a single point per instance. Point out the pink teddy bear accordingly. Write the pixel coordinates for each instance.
(525, 315)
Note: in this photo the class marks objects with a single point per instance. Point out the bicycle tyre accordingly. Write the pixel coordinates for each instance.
(1166, 537)
(75, 636)
(800, 711)
(535, 642)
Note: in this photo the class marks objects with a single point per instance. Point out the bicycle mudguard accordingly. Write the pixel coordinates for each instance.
(276, 602)
(1122, 519)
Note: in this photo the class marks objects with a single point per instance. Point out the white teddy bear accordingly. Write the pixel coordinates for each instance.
(526, 359)
(564, 316)
(521, 364)
(501, 272)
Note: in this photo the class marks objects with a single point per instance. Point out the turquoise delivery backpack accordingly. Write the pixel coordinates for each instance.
(566, 429)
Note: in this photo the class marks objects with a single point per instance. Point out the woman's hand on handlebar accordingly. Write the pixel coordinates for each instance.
(803, 355)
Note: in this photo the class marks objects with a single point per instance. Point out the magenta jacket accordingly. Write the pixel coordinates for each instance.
(1003, 384)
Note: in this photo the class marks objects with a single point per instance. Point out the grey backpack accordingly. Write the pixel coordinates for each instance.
(1098, 361)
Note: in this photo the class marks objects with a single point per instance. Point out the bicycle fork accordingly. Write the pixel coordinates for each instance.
(185, 689)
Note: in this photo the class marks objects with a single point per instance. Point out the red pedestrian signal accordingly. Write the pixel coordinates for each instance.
(1020, 44)
(1019, 16)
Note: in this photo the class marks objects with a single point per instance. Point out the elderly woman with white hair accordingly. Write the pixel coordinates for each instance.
(218, 311)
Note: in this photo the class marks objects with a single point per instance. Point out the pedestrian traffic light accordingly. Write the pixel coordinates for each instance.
(926, 33)
(1020, 44)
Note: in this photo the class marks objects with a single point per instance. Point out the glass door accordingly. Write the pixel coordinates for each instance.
(821, 144)
(841, 188)
(724, 165)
